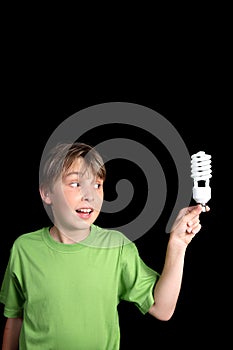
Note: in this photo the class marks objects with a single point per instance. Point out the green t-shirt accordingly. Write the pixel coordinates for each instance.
(68, 294)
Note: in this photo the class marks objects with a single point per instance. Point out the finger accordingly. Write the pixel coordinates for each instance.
(196, 229)
(193, 207)
(190, 229)
(193, 212)
(193, 223)
(187, 210)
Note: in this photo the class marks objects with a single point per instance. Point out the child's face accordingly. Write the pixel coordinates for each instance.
(77, 198)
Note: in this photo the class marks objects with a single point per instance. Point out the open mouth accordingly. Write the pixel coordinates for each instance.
(84, 213)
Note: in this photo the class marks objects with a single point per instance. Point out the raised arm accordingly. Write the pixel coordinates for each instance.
(167, 289)
(11, 334)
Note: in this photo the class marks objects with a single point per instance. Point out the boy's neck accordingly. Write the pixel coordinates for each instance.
(59, 236)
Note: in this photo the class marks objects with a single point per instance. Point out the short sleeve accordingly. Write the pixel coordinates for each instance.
(137, 279)
(11, 294)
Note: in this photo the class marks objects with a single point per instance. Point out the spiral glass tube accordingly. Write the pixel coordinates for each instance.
(201, 174)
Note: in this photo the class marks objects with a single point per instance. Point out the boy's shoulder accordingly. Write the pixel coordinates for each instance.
(108, 237)
(29, 237)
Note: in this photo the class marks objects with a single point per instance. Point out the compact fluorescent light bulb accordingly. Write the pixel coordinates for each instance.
(201, 171)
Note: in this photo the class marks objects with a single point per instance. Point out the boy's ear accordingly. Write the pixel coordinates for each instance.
(45, 195)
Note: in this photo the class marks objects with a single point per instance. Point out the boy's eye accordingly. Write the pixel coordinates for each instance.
(97, 185)
(75, 184)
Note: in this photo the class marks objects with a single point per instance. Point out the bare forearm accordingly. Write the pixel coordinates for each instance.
(11, 334)
(167, 289)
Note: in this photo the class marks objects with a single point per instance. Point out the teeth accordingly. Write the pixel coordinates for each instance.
(85, 210)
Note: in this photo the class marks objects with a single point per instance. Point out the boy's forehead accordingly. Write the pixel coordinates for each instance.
(78, 163)
(79, 167)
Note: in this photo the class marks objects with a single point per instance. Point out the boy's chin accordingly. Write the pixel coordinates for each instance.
(84, 224)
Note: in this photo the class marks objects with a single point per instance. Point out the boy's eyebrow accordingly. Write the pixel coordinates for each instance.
(78, 173)
(74, 173)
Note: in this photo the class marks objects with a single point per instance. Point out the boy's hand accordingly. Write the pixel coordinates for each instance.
(187, 224)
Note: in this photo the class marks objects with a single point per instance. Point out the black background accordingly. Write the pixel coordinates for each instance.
(187, 88)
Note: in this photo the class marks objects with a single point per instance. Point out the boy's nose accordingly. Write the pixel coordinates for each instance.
(87, 193)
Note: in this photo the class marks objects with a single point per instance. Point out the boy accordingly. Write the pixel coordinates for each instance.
(63, 283)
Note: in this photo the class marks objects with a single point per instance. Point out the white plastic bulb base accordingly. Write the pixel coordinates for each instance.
(202, 195)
